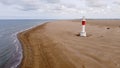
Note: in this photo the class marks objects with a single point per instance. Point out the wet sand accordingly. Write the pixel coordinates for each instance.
(58, 45)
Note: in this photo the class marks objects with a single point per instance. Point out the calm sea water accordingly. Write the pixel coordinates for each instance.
(10, 48)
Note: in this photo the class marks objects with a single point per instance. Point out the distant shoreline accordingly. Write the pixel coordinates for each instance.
(56, 45)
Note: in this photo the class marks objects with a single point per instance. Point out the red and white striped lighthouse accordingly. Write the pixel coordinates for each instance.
(83, 32)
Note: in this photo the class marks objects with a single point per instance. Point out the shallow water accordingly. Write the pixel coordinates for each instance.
(10, 48)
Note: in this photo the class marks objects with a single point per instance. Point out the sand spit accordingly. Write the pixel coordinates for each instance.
(58, 45)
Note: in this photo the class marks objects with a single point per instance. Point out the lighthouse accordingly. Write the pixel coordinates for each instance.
(83, 32)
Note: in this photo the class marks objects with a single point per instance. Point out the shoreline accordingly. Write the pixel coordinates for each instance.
(20, 41)
(50, 46)
(16, 58)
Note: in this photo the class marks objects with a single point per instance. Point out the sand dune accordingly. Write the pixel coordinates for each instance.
(57, 45)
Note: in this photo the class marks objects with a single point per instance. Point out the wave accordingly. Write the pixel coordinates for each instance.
(17, 57)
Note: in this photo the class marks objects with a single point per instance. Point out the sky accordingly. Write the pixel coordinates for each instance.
(59, 9)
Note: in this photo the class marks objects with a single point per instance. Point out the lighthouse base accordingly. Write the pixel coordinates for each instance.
(83, 34)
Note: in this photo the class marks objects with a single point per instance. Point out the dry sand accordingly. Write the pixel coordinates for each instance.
(58, 45)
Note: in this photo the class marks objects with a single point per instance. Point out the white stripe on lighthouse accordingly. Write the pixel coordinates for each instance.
(83, 28)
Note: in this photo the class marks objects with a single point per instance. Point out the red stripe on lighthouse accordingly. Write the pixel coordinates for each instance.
(83, 22)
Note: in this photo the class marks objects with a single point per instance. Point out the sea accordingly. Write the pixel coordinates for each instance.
(10, 48)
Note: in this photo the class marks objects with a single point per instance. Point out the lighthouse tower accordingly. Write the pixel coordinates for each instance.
(83, 32)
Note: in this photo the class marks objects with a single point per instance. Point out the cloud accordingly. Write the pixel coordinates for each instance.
(27, 5)
(63, 6)
(7, 2)
(117, 2)
(22, 4)
(42, 4)
(97, 4)
(51, 1)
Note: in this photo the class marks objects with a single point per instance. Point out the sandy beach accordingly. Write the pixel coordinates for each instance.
(58, 45)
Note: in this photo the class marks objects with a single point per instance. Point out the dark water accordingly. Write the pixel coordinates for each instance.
(10, 48)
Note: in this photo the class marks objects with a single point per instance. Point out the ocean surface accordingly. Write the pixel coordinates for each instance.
(10, 48)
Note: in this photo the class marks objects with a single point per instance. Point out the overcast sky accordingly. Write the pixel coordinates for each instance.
(60, 9)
